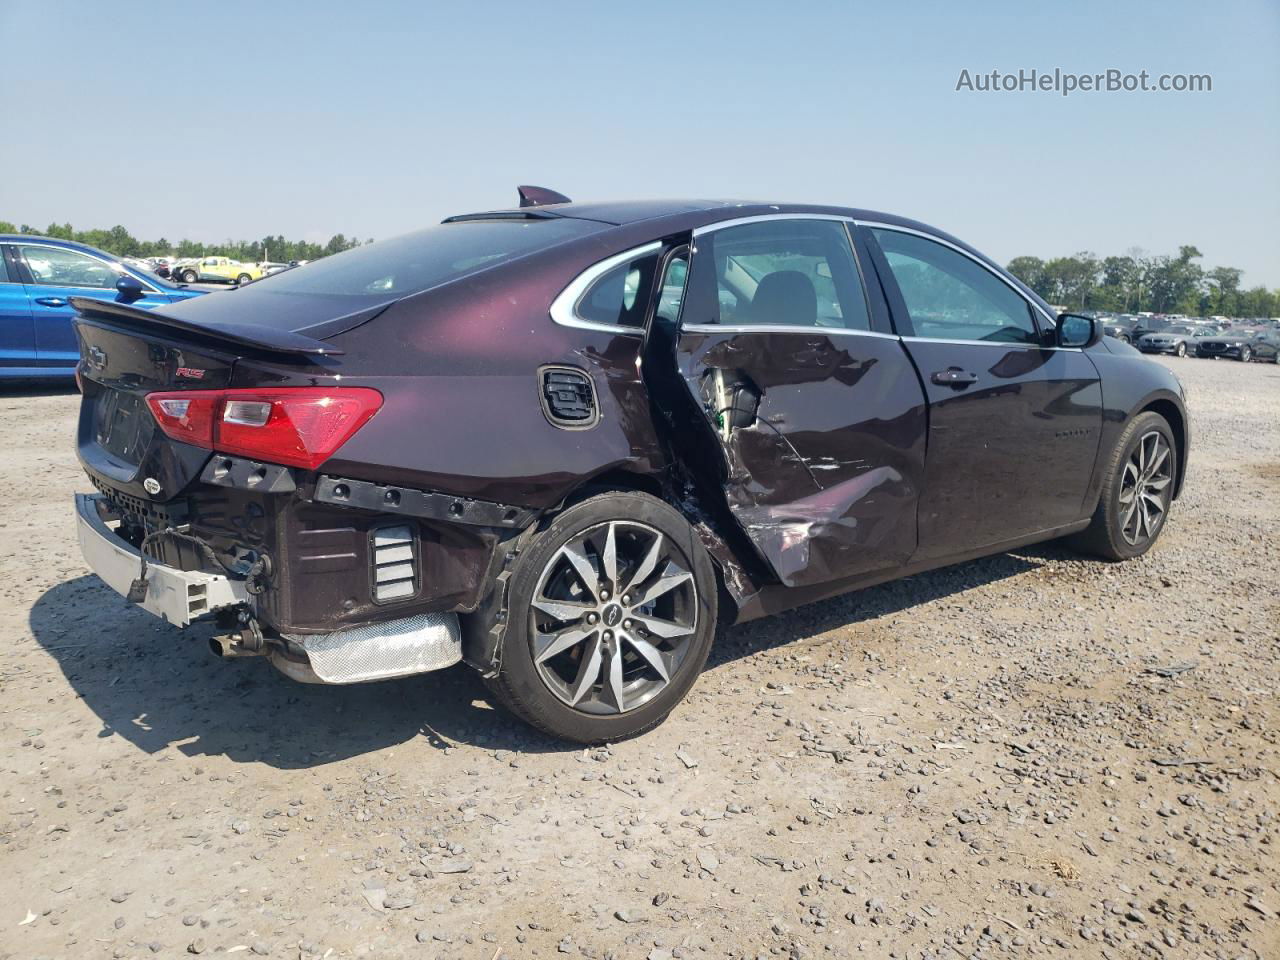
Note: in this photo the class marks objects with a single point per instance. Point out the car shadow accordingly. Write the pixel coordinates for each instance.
(159, 687)
(49, 387)
(860, 606)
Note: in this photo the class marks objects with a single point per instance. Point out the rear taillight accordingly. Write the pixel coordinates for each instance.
(298, 427)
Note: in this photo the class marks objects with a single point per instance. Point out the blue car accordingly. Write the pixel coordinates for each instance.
(38, 276)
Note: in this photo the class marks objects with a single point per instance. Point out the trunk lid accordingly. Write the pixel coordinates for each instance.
(117, 440)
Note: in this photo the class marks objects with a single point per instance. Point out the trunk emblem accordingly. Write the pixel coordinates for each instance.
(98, 357)
(192, 373)
(151, 485)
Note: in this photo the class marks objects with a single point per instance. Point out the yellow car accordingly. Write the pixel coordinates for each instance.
(221, 269)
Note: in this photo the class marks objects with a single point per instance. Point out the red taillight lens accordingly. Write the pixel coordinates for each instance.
(186, 416)
(298, 427)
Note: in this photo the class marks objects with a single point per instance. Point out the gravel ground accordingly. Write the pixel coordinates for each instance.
(1030, 755)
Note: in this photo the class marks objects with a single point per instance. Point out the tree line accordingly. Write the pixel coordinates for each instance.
(1137, 282)
(122, 243)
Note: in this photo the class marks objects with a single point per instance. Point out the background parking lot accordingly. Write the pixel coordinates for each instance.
(1030, 753)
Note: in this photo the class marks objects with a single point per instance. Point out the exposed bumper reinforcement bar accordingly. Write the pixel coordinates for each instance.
(420, 503)
(176, 596)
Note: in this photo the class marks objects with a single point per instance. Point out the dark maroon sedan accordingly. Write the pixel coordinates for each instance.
(562, 441)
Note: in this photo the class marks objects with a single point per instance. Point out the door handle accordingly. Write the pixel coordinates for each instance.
(51, 301)
(954, 377)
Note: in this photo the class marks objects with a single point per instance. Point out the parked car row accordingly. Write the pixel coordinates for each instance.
(1254, 339)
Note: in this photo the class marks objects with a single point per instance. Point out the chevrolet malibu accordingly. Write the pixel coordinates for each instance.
(562, 441)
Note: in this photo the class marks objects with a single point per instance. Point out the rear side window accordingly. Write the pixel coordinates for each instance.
(619, 297)
(427, 258)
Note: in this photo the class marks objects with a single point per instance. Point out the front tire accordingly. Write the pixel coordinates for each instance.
(610, 615)
(1181, 350)
(1136, 493)
(243, 279)
(189, 276)
(1245, 354)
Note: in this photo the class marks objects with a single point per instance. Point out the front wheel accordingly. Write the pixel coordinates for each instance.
(1136, 492)
(610, 615)
(1181, 350)
(1245, 354)
(243, 279)
(189, 276)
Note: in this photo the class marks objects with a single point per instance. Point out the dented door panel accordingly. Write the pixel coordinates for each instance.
(823, 436)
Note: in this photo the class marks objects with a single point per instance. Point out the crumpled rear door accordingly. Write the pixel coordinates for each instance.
(820, 428)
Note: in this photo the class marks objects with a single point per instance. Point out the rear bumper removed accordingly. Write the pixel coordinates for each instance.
(175, 596)
(354, 654)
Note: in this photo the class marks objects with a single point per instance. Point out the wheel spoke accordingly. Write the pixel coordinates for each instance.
(647, 565)
(652, 655)
(610, 557)
(615, 678)
(586, 571)
(1158, 484)
(563, 609)
(661, 628)
(551, 644)
(1129, 517)
(1161, 454)
(663, 585)
(588, 673)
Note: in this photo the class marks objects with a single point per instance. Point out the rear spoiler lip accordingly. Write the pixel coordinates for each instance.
(246, 335)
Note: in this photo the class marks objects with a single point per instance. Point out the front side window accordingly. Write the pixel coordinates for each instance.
(55, 267)
(951, 297)
(787, 272)
(618, 297)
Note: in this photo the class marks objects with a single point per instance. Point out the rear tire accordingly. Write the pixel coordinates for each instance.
(243, 279)
(602, 661)
(189, 276)
(1137, 491)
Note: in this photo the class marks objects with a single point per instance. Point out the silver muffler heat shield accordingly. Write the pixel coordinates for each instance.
(378, 651)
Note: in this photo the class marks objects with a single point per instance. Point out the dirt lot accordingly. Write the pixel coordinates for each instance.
(1029, 755)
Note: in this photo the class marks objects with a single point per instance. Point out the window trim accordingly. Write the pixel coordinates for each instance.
(118, 267)
(564, 309)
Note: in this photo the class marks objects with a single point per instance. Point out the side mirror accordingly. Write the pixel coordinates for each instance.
(1075, 330)
(130, 287)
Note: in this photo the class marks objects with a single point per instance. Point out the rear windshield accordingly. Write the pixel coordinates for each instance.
(426, 258)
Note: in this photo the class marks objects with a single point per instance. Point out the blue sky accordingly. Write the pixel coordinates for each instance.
(372, 118)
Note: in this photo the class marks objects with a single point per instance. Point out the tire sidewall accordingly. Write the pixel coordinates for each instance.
(1143, 424)
(518, 670)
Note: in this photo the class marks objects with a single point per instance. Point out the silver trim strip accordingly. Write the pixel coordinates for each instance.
(1053, 321)
(988, 343)
(761, 218)
(782, 328)
(564, 309)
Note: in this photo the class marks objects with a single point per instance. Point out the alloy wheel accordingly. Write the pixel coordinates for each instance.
(613, 616)
(1182, 349)
(1246, 354)
(1146, 482)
